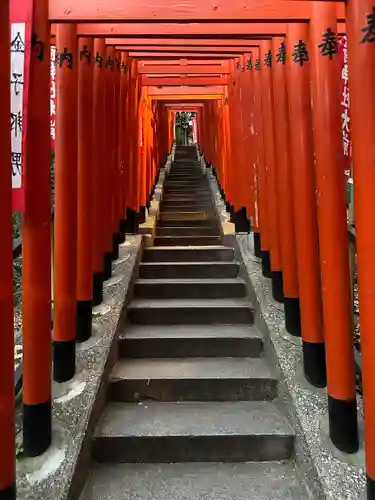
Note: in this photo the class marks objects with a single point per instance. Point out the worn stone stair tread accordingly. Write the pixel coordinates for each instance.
(190, 303)
(188, 247)
(191, 419)
(195, 481)
(201, 263)
(191, 331)
(192, 368)
(189, 281)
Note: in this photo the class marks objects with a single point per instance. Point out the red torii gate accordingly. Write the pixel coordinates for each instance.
(332, 265)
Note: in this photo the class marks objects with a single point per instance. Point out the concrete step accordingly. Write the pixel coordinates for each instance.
(218, 270)
(195, 481)
(187, 231)
(189, 288)
(211, 253)
(190, 312)
(161, 432)
(177, 341)
(192, 379)
(187, 240)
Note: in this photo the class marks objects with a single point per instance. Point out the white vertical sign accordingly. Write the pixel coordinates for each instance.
(17, 73)
(53, 93)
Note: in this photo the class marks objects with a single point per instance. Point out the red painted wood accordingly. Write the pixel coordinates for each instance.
(101, 10)
(188, 81)
(182, 70)
(186, 30)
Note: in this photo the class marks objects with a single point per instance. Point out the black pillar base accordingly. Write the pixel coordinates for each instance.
(257, 245)
(8, 493)
(84, 320)
(64, 360)
(314, 363)
(277, 286)
(37, 428)
(266, 264)
(370, 489)
(97, 289)
(343, 424)
(122, 231)
(115, 244)
(107, 271)
(241, 221)
(142, 214)
(130, 221)
(292, 316)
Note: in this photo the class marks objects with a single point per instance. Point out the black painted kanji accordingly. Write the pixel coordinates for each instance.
(17, 44)
(369, 30)
(300, 54)
(64, 56)
(85, 53)
(268, 59)
(38, 47)
(281, 53)
(99, 60)
(329, 45)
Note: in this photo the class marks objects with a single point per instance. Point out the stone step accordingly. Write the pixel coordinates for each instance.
(192, 192)
(190, 176)
(211, 254)
(188, 288)
(177, 341)
(195, 481)
(192, 379)
(159, 432)
(218, 270)
(188, 231)
(186, 214)
(177, 222)
(190, 198)
(187, 240)
(190, 312)
(206, 211)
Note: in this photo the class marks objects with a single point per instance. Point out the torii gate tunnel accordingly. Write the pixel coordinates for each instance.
(269, 85)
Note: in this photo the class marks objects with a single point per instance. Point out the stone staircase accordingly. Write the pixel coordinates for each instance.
(190, 412)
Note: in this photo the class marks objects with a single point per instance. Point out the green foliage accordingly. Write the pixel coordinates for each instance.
(183, 118)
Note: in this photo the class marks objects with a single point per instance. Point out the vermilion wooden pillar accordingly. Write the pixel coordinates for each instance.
(122, 111)
(284, 188)
(7, 456)
(142, 154)
(131, 213)
(261, 240)
(266, 61)
(116, 185)
(85, 188)
(333, 230)
(361, 35)
(305, 216)
(65, 259)
(250, 162)
(98, 167)
(108, 190)
(36, 248)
